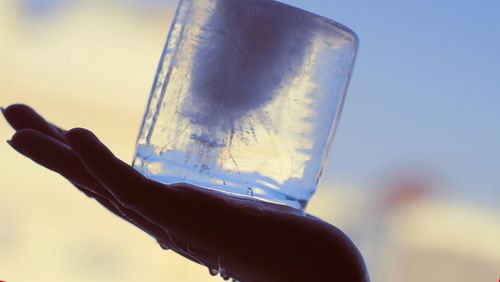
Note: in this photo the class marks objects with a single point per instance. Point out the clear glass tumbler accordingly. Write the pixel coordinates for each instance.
(246, 99)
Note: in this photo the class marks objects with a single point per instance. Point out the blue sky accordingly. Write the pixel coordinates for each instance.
(425, 92)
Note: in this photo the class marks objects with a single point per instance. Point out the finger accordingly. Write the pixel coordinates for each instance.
(184, 211)
(55, 156)
(20, 117)
(60, 158)
(125, 183)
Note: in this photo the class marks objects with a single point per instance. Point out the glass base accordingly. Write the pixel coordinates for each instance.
(231, 185)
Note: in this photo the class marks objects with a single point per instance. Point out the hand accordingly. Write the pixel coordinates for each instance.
(244, 239)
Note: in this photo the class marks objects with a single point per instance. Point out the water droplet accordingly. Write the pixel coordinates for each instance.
(164, 246)
(213, 271)
(250, 192)
(224, 275)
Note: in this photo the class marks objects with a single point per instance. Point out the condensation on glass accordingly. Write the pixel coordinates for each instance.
(246, 99)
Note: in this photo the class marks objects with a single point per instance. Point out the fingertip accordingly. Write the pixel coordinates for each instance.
(78, 133)
(81, 138)
(22, 135)
(20, 138)
(18, 106)
(21, 116)
(11, 144)
(91, 150)
(75, 135)
(14, 109)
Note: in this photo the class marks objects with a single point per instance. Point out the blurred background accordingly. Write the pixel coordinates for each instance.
(413, 176)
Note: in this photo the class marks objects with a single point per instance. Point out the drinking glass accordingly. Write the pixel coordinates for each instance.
(246, 99)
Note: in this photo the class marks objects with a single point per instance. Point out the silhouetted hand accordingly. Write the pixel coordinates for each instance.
(245, 239)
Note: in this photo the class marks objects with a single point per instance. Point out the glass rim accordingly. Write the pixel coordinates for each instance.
(354, 36)
(334, 23)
